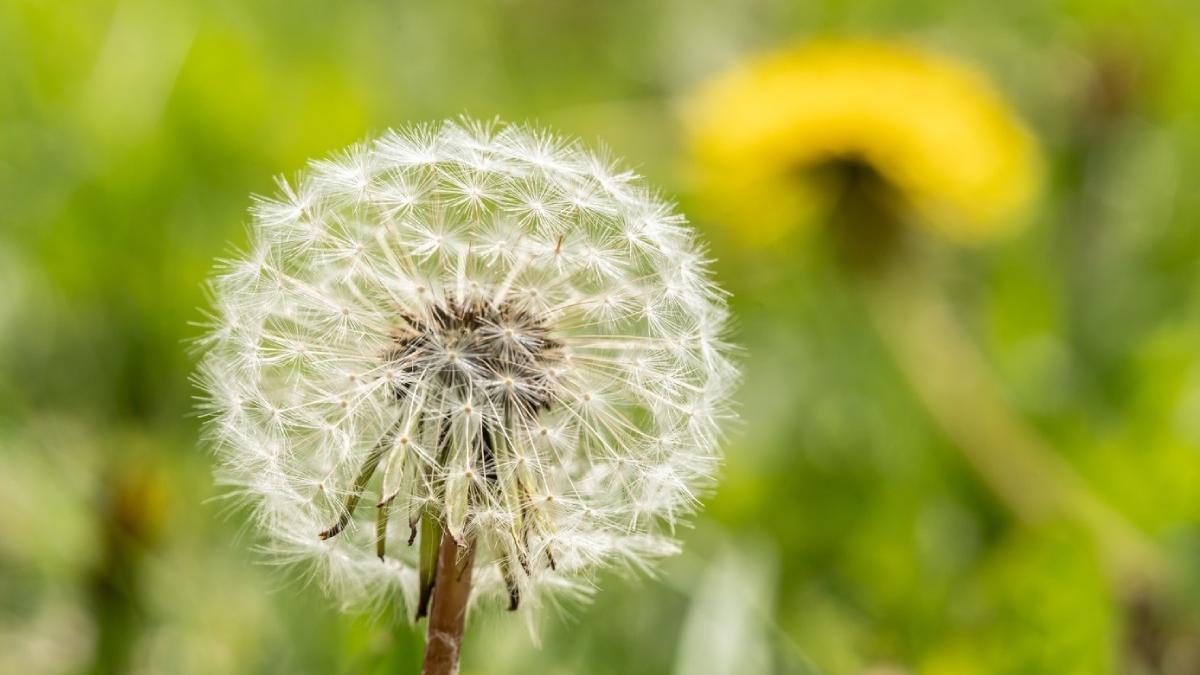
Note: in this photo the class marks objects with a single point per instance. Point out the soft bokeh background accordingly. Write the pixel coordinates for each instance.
(848, 535)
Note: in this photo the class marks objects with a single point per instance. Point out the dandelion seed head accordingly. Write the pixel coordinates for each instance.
(479, 322)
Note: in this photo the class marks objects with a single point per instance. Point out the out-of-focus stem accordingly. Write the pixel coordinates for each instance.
(130, 520)
(448, 609)
(916, 322)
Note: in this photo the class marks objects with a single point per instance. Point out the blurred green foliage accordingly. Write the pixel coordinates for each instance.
(847, 536)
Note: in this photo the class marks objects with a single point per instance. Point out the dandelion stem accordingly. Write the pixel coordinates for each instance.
(448, 610)
(127, 524)
(917, 324)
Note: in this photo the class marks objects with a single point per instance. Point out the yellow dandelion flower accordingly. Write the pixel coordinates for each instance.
(934, 130)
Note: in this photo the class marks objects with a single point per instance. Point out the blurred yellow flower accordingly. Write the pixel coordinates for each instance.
(934, 130)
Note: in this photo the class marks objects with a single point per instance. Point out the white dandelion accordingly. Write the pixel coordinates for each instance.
(478, 335)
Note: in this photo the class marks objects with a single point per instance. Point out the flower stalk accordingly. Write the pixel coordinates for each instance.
(917, 324)
(448, 609)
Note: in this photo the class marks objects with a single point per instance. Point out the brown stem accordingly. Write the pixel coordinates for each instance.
(448, 610)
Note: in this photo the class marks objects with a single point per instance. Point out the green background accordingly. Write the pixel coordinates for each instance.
(847, 536)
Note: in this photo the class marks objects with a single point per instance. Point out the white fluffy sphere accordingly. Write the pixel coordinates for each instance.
(483, 326)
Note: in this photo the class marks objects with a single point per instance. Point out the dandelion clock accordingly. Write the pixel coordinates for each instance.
(466, 365)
